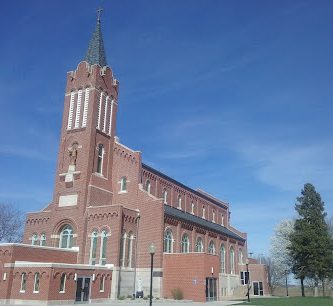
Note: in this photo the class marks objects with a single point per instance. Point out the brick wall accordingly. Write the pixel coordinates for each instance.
(188, 272)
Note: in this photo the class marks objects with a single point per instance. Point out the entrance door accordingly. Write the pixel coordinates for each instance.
(82, 289)
(258, 288)
(211, 292)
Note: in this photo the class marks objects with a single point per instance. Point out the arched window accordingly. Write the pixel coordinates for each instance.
(168, 241)
(240, 256)
(147, 187)
(104, 241)
(165, 196)
(232, 261)
(100, 158)
(222, 219)
(66, 237)
(42, 241)
(185, 244)
(101, 284)
(93, 248)
(62, 283)
(213, 218)
(199, 245)
(222, 258)
(211, 248)
(192, 208)
(203, 212)
(36, 282)
(123, 184)
(179, 202)
(23, 282)
(34, 239)
(130, 249)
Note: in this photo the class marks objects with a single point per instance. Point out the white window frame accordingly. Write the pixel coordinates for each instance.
(123, 184)
(69, 237)
(78, 109)
(23, 282)
(211, 248)
(102, 260)
(199, 248)
(99, 111)
(100, 159)
(244, 280)
(42, 239)
(63, 284)
(179, 200)
(240, 256)
(168, 241)
(185, 243)
(71, 111)
(34, 239)
(36, 282)
(105, 113)
(85, 107)
(148, 186)
(102, 284)
(232, 260)
(93, 241)
(222, 262)
(192, 207)
(111, 111)
(165, 196)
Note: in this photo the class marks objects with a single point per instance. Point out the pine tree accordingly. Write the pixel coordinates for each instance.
(311, 247)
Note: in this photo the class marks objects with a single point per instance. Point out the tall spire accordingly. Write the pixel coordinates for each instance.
(96, 52)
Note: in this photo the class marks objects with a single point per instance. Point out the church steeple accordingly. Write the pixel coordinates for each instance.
(96, 52)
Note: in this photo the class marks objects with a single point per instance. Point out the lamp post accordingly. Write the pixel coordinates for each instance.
(286, 272)
(248, 280)
(152, 249)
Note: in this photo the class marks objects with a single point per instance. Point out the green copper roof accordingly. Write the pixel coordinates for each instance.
(96, 52)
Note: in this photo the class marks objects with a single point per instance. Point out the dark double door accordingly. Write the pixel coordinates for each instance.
(82, 289)
(211, 289)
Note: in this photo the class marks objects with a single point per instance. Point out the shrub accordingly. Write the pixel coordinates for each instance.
(121, 298)
(177, 294)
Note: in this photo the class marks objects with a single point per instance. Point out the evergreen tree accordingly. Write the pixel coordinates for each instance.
(311, 246)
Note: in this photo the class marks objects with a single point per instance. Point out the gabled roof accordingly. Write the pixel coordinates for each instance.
(181, 215)
(96, 52)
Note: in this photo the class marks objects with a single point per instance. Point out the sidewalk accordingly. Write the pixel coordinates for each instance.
(146, 303)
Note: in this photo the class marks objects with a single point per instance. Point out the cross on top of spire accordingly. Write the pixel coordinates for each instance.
(96, 52)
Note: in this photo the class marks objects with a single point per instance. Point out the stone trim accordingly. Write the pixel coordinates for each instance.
(20, 264)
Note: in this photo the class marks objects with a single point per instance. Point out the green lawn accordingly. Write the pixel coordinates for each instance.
(292, 301)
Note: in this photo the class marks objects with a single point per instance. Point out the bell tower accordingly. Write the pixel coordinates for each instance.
(84, 168)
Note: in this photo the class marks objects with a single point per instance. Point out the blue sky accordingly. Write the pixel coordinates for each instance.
(234, 97)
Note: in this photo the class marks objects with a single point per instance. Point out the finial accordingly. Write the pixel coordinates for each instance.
(99, 12)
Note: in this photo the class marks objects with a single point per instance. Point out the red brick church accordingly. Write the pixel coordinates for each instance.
(91, 243)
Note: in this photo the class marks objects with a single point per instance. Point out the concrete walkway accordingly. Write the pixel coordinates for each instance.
(146, 303)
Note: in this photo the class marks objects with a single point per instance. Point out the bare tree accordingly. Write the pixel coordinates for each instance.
(11, 223)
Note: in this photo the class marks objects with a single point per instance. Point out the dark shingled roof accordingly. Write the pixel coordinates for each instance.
(179, 214)
(96, 52)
